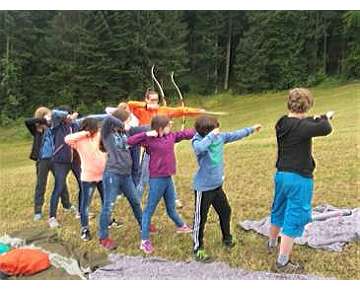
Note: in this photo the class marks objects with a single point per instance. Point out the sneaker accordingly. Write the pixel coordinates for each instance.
(153, 229)
(37, 217)
(229, 244)
(108, 244)
(289, 268)
(179, 204)
(115, 224)
(85, 234)
(185, 229)
(53, 223)
(201, 256)
(71, 209)
(146, 246)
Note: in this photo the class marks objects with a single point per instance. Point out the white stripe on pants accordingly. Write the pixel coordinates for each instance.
(197, 220)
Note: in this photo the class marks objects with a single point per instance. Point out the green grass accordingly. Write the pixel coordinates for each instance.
(248, 182)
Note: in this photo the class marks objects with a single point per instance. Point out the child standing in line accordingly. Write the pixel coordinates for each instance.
(160, 143)
(208, 145)
(41, 152)
(117, 175)
(86, 142)
(291, 208)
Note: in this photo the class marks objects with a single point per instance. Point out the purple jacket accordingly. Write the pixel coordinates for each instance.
(161, 150)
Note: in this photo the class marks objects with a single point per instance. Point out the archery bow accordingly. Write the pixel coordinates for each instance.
(159, 86)
(181, 99)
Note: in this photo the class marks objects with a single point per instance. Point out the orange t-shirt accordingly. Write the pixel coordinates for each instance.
(145, 114)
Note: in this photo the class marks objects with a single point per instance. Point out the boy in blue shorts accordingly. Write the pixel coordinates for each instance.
(291, 208)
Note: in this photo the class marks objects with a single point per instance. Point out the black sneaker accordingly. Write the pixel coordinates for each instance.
(85, 234)
(115, 224)
(289, 268)
(229, 244)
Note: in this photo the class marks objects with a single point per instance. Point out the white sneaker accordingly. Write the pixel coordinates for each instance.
(53, 223)
(37, 217)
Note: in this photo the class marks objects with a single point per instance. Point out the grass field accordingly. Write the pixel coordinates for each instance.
(249, 168)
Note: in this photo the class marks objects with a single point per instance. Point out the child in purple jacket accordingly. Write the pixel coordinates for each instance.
(160, 144)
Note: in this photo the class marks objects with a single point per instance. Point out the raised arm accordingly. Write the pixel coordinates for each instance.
(202, 145)
(31, 124)
(184, 135)
(139, 129)
(73, 139)
(57, 116)
(137, 139)
(236, 135)
(316, 127)
(109, 125)
(136, 104)
(180, 111)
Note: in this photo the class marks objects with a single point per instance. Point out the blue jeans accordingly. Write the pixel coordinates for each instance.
(112, 184)
(144, 175)
(61, 171)
(88, 189)
(291, 208)
(160, 187)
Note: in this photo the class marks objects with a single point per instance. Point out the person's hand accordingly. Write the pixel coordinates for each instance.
(74, 116)
(216, 131)
(330, 115)
(152, 133)
(257, 127)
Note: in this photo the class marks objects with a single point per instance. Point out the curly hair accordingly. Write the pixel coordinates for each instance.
(300, 100)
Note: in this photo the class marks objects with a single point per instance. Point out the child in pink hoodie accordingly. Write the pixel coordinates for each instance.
(86, 143)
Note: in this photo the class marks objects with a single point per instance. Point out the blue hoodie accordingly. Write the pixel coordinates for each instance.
(209, 152)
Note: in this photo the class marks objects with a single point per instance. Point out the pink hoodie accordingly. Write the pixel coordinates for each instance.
(92, 159)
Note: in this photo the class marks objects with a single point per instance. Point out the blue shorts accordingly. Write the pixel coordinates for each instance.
(291, 208)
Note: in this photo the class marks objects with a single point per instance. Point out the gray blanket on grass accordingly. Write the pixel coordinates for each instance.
(330, 229)
(154, 268)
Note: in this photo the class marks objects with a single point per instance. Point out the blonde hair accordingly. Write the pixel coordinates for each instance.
(41, 112)
(300, 100)
(124, 106)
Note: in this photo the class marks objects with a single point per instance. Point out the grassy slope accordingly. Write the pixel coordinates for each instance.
(249, 170)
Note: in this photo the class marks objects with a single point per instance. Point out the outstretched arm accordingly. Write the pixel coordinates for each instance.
(137, 139)
(184, 135)
(180, 111)
(316, 127)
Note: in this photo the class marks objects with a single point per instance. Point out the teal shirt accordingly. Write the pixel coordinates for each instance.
(209, 151)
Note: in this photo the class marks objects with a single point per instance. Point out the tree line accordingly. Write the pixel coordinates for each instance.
(91, 58)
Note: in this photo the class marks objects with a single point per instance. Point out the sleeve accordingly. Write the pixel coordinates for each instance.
(72, 139)
(32, 122)
(316, 127)
(136, 139)
(57, 116)
(138, 129)
(135, 104)
(180, 111)
(98, 117)
(110, 123)
(202, 145)
(184, 135)
(236, 135)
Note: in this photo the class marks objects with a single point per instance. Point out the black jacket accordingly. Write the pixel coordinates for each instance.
(31, 124)
(294, 143)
